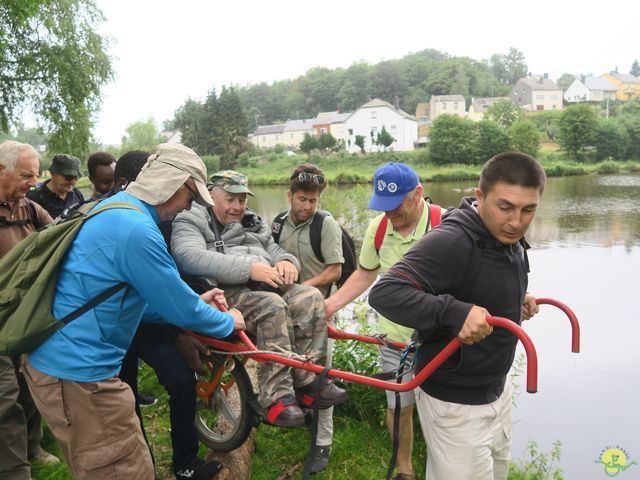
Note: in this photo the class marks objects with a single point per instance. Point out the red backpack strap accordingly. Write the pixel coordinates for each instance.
(381, 231)
(435, 215)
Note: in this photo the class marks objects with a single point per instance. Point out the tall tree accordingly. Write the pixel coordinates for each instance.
(187, 120)
(230, 127)
(490, 139)
(53, 61)
(355, 88)
(452, 140)
(525, 137)
(504, 112)
(565, 80)
(612, 140)
(141, 135)
(308, 143)
(578, 125)
(635, 69)
(388, 81)
(384, 138)
(508, 68)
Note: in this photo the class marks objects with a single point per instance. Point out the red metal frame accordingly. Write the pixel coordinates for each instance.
(532, 358)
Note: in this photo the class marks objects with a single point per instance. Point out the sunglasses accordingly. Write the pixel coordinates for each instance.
(194, 194)
(306, 177)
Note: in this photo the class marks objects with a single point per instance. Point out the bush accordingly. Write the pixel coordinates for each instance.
(525, 137)
(365, 402)
(608, 167)
(212, 162)
(565, 169)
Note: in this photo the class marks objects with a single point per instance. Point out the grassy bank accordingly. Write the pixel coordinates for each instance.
(271, 168)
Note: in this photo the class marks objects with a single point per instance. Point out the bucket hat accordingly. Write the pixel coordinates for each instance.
(166, 171)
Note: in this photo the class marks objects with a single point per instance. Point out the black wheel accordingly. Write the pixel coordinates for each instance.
(224, 418)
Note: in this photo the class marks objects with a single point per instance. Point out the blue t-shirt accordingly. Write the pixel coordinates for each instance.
(119, 245)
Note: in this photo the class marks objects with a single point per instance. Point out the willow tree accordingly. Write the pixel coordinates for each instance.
(53, 63)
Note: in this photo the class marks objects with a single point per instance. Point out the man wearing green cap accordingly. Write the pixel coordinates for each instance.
(233, 247)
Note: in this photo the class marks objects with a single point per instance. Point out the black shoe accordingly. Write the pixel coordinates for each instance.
(199, 470)
(146, 400)
(320, 458)
(329, 396)
(285, 413)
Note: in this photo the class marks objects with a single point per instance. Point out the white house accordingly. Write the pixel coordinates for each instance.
(338, 127)
(369, 120)
(295, 130)
(268, 136)
(537, 93)
(592, 89)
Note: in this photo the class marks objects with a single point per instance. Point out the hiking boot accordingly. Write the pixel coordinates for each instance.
(320, 458)
(285, 413)
(199, 470)
(329, 396)
(43, 457)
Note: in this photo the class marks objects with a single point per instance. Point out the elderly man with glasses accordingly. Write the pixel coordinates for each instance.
(233, 247)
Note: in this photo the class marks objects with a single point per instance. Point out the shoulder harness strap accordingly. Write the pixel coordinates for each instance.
(315, 233)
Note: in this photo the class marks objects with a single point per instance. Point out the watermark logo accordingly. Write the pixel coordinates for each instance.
(615, 460)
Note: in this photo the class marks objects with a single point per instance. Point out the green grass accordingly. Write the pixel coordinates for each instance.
(361, 447)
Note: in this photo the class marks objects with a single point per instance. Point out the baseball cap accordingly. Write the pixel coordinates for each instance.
(67, 165)
(391, 183)
(166, 171)
(230, 181)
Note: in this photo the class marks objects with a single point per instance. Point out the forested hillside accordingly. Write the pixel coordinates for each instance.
(412, 78)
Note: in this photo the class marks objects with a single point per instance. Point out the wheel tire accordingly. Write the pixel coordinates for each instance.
(225, 423)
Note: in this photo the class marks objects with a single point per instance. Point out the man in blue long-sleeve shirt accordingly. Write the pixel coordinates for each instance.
(72, 376)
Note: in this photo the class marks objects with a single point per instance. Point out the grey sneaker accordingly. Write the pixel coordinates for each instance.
(320, 458)
(43, 457)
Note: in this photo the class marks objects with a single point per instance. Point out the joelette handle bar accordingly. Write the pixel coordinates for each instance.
(248, 346)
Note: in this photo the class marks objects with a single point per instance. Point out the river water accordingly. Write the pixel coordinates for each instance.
(586, 253)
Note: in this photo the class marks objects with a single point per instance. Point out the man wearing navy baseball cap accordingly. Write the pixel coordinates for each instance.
(398, 193)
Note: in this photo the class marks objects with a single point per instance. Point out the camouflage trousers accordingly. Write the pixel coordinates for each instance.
(294, 321)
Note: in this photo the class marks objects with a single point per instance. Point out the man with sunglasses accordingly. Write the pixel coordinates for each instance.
(59, 192)
(292, 231)
(233, 247)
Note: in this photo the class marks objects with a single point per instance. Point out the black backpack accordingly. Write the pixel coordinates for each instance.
(348, 246)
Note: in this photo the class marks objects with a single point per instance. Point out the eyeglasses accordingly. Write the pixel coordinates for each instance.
(194, 194)
(306, 176)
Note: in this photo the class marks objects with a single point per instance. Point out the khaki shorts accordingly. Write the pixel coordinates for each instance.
(389, 362)
(95, 425)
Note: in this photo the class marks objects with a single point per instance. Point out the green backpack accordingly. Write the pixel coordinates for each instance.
(28, 278)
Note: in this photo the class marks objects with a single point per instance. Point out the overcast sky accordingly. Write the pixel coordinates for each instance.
(165, 52)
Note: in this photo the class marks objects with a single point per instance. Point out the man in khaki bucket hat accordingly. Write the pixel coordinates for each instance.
(166, 171)
(73, 375)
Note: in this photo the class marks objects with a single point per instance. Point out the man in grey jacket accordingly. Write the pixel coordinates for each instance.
(231, 245)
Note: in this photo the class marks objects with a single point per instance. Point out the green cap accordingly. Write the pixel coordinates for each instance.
(230, 181)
